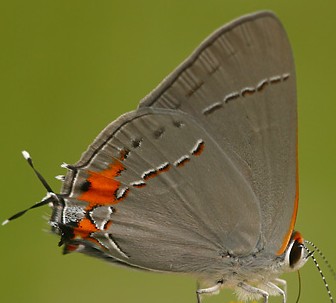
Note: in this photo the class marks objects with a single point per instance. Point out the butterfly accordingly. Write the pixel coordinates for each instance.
(202, 178)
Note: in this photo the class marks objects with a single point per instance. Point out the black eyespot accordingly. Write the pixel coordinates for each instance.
(295, 254)
(85, 186)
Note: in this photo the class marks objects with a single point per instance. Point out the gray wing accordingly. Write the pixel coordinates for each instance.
(240, 86)
(180, 203)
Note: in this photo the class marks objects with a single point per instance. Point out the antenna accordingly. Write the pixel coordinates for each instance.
(50, 197)
(311, 254)
(332, 271)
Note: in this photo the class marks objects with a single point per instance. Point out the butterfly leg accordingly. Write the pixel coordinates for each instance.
(210, 290)
(282, 283)
(254, 291)
(277, 290)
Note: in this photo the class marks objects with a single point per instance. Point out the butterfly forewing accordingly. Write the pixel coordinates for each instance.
(240, 86)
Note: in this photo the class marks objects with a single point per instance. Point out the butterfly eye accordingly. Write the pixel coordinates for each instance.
(295, 254)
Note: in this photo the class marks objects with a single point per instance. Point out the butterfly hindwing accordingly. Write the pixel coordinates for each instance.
(159, 170)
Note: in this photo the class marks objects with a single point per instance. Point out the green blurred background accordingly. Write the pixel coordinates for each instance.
(68, 68)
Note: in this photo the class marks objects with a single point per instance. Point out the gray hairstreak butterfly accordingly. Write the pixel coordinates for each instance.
(203, 177)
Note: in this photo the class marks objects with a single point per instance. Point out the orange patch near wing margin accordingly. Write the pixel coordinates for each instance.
(296, 206)
(101, 191)
(103, 186)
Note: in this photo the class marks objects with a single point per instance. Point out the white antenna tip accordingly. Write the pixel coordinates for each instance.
(25, 154)
(4, 222)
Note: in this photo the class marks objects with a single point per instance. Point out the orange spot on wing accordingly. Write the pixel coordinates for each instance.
(164, 168)
(139, 185)
(199, 149)
(150, 174)
(87, 226)
(102, 191)
(183, 162)
(84, 229)
(70, 248)
(123, 154)
(107, 225)
(298, 237)
(103, 186)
